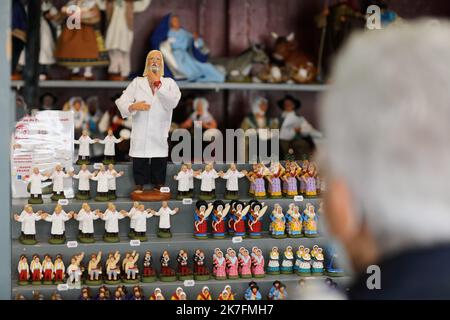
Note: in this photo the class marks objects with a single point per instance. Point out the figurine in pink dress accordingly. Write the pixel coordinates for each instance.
(220, 265)
(245, 263)
(232, 264)
(258, 264)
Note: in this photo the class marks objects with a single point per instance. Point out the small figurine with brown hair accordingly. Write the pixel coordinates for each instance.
(149, 274)
(167, 273)
(24, 270)
(94, 270)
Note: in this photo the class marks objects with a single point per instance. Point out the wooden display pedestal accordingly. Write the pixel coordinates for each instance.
(150, 195)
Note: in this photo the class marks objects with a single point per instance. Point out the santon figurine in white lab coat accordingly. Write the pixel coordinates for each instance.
(84, 152)
(58, 176)
(28, 220)
(232, 175)
(110, 142)
(164, 214)
(58, 220)
(83, 176)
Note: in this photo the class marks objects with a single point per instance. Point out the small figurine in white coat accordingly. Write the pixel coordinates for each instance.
(83, 176)
(113, 175)
(111, 217)
(86, 219)
(232, 175)
(164, 214)
(58, 176)
(140, 216)
(58, 220)
(102, 178)
(28, 220)
(110, 142)
(74, 271)
(184, 177)
(84, 151)
(36, 179)
(208, 185)
(132, 219)
(191, 179)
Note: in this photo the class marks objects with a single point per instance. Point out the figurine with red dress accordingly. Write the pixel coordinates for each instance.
(202, 212)
(254, 221)
(220, 211)
(167, 273)
(184, 272)
(201, 272)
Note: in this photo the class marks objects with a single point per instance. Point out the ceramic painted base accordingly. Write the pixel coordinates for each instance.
(57, 241)
(280, 236)
(79, 196)
(233, 277)
(295, 236)
(220, 278)
(286, 272)
(109, 161)
(111, 239)
(23, 283)
(112, 282)
(112, 197)
(303, 274)
(246, 276)
(218, 237)
(47, 283)
(255, 236)
(57, 197)
(80, 162)
(206, 197)
(149, 279)
(28, 242)
(335, 274)
(140, 238)
(201, 237)
(168, 278)
(259, 276)
(162, 234)
(260, 197)
(58, 282)
(186, 277)
(36, 283)
(86, 240)
(101, 198)
(273, 272)
(125, 280)
(231, 197)
(315, 235)
(279, 196)
(35, 201)
(93, 282)
(203, 277)
(316, 274)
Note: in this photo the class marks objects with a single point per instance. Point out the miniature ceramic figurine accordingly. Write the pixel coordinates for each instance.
(309, 178)
(303, 262)
(273, 267)
(139, 218)
(57, 177)
(137, 293)
(184, 272)
(36, 179)
(86, 218)
(257, 179)
(110, 142)
(167, 273)
(245, 263)
(276, 171)
(191, 179)
(238, 217)
(149, 274)
(74, 271)
(184, 177)
(310, 220)
(111, 217)
(85, 294)
(258, 263)
(60, 269)
(278, 222)
(287, 263)
(226, 294)
(294, 221)
(290, 178)
(201, 272)
(83, 152)
(219, 265)
(278, 291)
(133, 209)
(113, 175)
(205, 294)
(232, 176)
(130, 267)
(94, 270)
(164, 214)
(232, 264)
(28, 219)
(24, 270)
(102, 177)
(298, 257)
(58, 220)
(157, 295)
(254, 221)
(83, 176)
(179, 292)
(250, 174)
(208, 185)
(219, 217)
(302, 169)
(36, 270)
(317, 258)
(112, 268)
(202, 212)
(252, 292)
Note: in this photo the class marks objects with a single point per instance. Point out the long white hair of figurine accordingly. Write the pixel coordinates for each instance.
(147, 64)
(386, 121)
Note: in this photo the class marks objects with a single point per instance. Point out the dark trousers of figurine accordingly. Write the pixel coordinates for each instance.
(87, 235)
(84, 192)
(112, 194)
(111, 234)
(109, 158)
(153, 172)
(58, 236)
(36, 196)
(139, 234)
(83, 158)
(102, 194)
(28, 236)
(164, 230)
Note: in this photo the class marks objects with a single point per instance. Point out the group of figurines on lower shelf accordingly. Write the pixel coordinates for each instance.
(293, 179)
(240, 219)
(105, 177)
(132, 268)
(86, 216)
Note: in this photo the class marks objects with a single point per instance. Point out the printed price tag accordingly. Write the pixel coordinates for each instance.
(236, 239)
(189, 283)
(63, 202)
(72, 244)
(164, 190)
(187, 201)
(97, 165)
(62, 287)
(135, 243)
(298, 198)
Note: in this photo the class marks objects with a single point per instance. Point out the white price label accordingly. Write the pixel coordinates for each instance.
(62, 287)
(164, 190)
(135, 243)
(72, 244)
(97, 165)
(298, 198)
(63, 202)
(236, 239)
(189, 283)
(187, 201)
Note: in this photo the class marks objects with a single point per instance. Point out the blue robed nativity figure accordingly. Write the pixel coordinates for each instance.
(185, 54)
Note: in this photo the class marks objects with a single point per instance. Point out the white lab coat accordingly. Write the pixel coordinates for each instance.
(111, 219)
(84, 143)
(291, 122)
(183, 179)
(110, 145)
(131, 214)
(112, 179)
(164, 217)
(58, 180)
(208, 180)
(83, 176)
(232, 178)
(57, 221)
(28, 222)
(36, 183)
(150, 129)
(140, 218)
(86, 220)
(102, 181)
